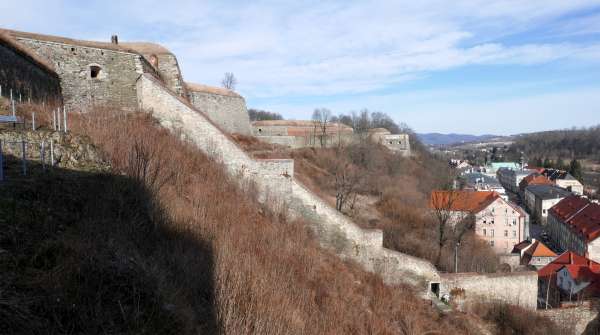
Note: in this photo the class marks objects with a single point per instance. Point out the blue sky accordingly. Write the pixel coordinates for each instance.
(477, 67)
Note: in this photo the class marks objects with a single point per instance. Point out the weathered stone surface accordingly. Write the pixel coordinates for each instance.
(274, 180)
(25, 76)
(227, 110)
(73, 152)
(578, 320)
(518, 288)
(114, 84)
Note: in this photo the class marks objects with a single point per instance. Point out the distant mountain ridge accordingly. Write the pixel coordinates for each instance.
(446, 139)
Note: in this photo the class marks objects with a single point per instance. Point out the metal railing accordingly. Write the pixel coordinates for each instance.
(21, 149)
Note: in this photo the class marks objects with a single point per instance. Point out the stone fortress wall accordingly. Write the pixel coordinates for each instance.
(302, 134)
(224, 107)
(335, 231)
(504, 287)
(395, 142)
(26, 74)
(91, 74)
(274, 179)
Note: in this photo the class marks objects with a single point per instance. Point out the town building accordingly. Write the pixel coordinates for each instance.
(534, 253)
(565, 180)
(574, 224)
(539, 198)
(533, 179)
(481, 182)
(500, 223)
(460, 164)
(492, 168)
(570, 277)
(511, 178)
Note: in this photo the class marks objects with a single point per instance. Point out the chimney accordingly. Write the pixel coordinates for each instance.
(114, 39)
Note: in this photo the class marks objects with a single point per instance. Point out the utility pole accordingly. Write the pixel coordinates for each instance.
(456, 257)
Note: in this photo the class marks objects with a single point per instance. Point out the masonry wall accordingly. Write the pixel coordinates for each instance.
(25, 76)
(575, 319)
(114, 85)
(518, 288)
(274, 178)
(228, 111)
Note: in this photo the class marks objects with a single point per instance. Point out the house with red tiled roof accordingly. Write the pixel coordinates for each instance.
(535, 254)
(500, 223)
(574, 224)
(533, 179)
(570, 277)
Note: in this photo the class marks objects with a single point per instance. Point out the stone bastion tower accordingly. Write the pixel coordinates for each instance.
(104, 74)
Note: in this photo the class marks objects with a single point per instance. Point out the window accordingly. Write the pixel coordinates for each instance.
(544, 211)
(506, 233)
(491, 232)
(95, 71)
(514, 221)
(514, 233)
(492, 243)
(484, 232)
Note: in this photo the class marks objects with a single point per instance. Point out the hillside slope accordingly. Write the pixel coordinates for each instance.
(167, 243)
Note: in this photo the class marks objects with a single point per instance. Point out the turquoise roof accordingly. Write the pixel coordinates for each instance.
(511, 165)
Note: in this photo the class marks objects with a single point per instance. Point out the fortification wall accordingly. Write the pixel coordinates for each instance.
(116, 78)
(25, 76)
(518, 288)
(288, 141)
(228, 111)
(575, 319)
(274, 178)
(168, 68)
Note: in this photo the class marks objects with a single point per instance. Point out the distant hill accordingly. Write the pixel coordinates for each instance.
(446, 139)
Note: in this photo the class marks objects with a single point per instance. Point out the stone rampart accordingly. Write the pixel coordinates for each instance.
(517, 288)
(274, 178)
(334, 230)
(223, 107)
(25, 75)
(92, 76)
(575, 319)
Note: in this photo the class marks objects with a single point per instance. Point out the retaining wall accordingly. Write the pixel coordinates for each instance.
(115, 83)
(25, 75)
(227, 110)
(517, 288)
(575, 319)
(274, 178)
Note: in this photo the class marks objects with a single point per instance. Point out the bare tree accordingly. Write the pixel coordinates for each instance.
(448, 219)
(229, 81)
(347, 181)
(321, 118)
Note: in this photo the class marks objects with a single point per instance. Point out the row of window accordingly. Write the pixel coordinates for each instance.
(514, 233)
(514, 221)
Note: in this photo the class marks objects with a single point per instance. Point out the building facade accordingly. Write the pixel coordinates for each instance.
(540, 198)
(574, 224)
(498, 222)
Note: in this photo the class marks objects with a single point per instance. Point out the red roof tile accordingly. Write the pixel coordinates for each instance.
(571, 259)
(534, 179)
(581, 215)
(539, 249)
(462, 201)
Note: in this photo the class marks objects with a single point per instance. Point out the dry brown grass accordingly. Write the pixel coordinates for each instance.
(269, 276)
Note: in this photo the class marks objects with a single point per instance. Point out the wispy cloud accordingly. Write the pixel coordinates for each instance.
(310, 50)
